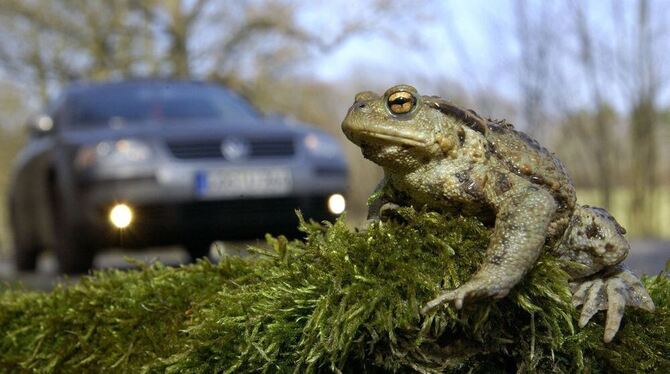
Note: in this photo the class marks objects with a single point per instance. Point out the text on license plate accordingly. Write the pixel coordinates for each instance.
(244, 182)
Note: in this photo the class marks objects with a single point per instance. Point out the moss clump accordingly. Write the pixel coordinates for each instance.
(342, 300)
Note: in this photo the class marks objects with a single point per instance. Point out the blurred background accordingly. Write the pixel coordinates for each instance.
(588, 79)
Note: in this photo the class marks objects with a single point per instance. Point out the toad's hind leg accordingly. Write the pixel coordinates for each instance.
(610, 290)
(595, 242)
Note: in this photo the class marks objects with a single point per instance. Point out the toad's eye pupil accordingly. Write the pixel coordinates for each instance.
(401, 102)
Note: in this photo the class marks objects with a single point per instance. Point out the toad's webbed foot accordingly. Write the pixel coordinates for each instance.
(473, 289)
(612, 293)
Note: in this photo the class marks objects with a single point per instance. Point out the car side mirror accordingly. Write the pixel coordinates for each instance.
(39, 125)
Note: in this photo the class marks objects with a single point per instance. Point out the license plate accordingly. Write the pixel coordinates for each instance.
(244, 182)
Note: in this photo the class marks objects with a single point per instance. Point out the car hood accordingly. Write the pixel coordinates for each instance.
(186, 130)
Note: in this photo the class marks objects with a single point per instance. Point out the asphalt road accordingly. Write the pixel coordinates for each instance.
(647, 256)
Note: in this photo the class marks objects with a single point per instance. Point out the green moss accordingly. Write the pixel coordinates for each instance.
(342, 300)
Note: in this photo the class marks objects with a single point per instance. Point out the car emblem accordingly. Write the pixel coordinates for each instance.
(235, 149)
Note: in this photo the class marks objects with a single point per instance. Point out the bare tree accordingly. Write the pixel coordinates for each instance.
(70, 39)
(601, 143)
(176, 19)
(643, 131)
(535, 42)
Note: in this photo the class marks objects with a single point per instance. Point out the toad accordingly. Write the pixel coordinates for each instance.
(449, 159)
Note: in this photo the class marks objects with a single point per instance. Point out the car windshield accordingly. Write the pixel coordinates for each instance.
(165, 103)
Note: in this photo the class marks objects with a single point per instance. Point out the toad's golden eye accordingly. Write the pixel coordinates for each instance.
(401, 102)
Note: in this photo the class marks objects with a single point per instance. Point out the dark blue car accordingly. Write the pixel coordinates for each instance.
(146, 163)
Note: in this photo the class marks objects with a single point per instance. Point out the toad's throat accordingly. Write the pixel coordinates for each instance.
(396, 138)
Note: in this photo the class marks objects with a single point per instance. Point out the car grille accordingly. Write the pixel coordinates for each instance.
(330, 171)
(211, 149)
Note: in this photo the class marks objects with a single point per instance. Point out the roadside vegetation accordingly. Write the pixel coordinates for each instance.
(619, 206)
(10, 142)
(341, 300)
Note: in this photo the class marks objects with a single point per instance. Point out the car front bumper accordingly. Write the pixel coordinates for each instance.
(167, 208)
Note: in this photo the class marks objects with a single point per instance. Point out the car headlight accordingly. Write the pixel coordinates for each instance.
(321, 145)
(337, 203)
(115, 152)
(121, 216)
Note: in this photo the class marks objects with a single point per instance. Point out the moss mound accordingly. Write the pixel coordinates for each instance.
(342, 300)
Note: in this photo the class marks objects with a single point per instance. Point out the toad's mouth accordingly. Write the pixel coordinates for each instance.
(398, 138)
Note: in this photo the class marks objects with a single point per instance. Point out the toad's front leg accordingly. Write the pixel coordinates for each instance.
(516, 242)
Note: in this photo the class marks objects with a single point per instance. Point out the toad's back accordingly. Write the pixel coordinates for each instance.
(525, 157)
